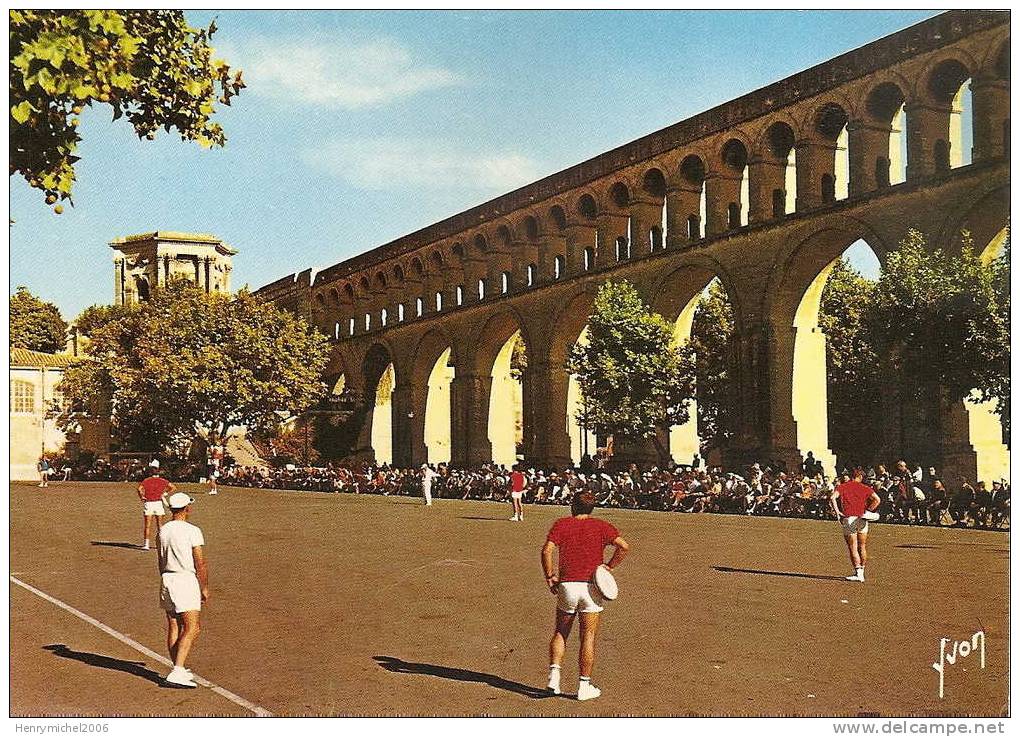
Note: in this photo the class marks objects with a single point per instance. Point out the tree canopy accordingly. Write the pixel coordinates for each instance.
(35, 324)
(939, 319)
(711, 336)
(635, 382)
(149, 66)
(186, 359)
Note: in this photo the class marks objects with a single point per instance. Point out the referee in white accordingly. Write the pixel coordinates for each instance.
(184, 579)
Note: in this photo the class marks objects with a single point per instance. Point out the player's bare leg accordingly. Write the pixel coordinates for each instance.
(557, 646)
(173, 632)
(862, 552)
(855, 557)
(586, 658)
(188, 623)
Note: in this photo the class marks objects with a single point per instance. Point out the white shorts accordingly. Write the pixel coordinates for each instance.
(578, 596)
(853, 525)
(180, 592)
(156, 509)
(516, 494)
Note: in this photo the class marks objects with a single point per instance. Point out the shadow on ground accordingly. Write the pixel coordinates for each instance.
(396, 665)
(134, 667)
(787, 574)
(111, 544)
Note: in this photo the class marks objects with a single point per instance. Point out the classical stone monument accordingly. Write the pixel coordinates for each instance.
(144, 262)
(763, 192)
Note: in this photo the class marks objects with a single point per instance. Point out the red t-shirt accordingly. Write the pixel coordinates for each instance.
(516, 481)
(853, 495)
(581, 542)
(154, 487)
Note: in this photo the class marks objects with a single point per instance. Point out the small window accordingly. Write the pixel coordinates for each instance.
(733, 212)
(383, 317)
(622, 249)
(368, 321)
(557, 267)
(589, 258)
(460, 296)
(439, 301)
(531, 275)
(22, 397)
(655, 237)
(504, 282)
(336, 331)
(419, 306)
(400, 312)
(828, 188)
(351, 326)
(693, 228)
(778, 203)
(481, 289)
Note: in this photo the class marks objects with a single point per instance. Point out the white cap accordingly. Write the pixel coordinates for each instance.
(180, 500)
(154, 463)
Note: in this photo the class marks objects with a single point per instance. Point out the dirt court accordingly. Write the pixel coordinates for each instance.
(335, 604)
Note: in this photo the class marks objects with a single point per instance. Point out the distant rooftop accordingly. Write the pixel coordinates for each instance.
(173, 235)
(24, 358)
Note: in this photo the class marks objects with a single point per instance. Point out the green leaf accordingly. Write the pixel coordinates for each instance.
(22, 111)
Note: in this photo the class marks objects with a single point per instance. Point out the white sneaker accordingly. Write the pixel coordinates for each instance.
(181, 677)
(145, 545)
(554, 680)
(854, 577)
(586, 691)
(514, 518)
(213, 492)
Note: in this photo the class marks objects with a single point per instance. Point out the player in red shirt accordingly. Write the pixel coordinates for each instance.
(850, 501)
(517, 493)
(153, 491)
(581, 540)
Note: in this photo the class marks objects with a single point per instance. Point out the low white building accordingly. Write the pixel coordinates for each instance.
(35, 396)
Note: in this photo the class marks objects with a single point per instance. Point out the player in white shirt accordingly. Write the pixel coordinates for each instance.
(427, 477)
(184, 584)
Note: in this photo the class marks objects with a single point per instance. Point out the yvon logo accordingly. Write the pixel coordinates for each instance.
(960, 649)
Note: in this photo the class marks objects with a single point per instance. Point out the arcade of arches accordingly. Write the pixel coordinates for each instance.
(763, 193)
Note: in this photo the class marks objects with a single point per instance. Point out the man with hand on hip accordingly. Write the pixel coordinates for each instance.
(581, 540)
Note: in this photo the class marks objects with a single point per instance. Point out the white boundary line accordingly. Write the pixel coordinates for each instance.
(230, 696)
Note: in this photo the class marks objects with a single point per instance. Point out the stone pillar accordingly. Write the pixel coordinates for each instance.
(957, 458)
(682, 201)
(403, 455)
(815, 159)
(610, 227)
(644, 214)
(720, 190)
(208, 275)
(469, 419)
(868, 142)
(579, 236)
(763, 176)
(926, 125)
(990, 98)
(419, 452)
(547, 385)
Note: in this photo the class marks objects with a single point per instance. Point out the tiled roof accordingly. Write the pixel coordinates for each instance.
(24, 358)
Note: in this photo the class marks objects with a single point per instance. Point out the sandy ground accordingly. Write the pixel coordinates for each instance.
(352, 605)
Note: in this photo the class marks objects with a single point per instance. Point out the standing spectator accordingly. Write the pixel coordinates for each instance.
(517, 493)
(43, 467)
(427, 477)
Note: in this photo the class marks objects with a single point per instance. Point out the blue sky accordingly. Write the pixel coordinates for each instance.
(359, 127)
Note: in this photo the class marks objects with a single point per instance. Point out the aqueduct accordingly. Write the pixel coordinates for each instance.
(762, 192)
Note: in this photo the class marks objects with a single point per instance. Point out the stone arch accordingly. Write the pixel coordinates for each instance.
(799, 409)
(729, 191)
(378, 369)
(557, 217)
(983, 217)
(586, 206)
(431, 424)
(935, 79)
(564, 400)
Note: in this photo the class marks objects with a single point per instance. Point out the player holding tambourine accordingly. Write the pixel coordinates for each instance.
(582, 585)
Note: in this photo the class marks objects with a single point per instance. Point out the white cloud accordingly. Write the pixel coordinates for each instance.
(335, 72)
(389, 163)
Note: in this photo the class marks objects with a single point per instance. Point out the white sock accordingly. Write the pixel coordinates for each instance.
(860, 572)
(553, 668)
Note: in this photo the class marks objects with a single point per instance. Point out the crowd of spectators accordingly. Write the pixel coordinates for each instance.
(909, 496)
